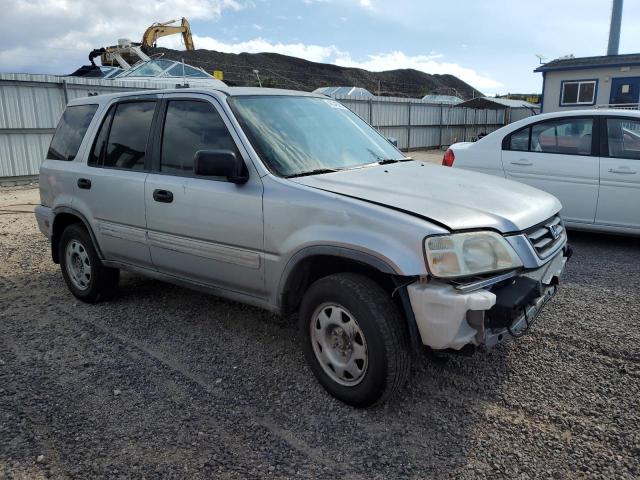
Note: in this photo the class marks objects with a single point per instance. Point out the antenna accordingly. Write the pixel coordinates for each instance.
(541, 58)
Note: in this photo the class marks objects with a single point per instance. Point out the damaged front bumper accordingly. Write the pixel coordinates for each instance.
(486, 312)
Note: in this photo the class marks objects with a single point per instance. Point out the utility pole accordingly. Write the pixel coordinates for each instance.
(614, 29)
(257, 72)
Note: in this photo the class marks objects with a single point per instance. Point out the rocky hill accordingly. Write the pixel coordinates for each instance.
(291, 72)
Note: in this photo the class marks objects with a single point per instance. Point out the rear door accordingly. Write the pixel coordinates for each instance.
(205, 229)
(111, 187)
(558, 156)
(619, 200)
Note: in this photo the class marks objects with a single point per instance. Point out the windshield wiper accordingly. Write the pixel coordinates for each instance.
(387, 161)
(317, 171)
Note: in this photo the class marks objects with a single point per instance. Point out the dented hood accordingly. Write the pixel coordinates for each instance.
(458, 199)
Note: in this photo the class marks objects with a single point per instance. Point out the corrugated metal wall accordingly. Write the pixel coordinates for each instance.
(417, 124)
(516, 114)
(30, 106)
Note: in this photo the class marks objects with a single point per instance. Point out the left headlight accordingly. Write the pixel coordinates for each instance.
(467, 254)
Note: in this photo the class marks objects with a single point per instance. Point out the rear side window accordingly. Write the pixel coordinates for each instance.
(623, 136)
(70, 131)
(100, 143)
(127, 142)
(567, 136)
(189, 126)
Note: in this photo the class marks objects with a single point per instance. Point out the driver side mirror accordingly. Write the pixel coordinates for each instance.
(220, 163)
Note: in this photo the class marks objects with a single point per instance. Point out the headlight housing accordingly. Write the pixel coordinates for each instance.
(468, 254)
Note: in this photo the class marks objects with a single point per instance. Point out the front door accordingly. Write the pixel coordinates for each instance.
(557, 156)
(204, 229)
(625, 90)
(619, 200)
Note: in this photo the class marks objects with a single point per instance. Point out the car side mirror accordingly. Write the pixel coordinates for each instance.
(393, 141)
(220, 163)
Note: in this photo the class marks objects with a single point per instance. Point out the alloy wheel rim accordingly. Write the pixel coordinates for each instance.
(78, 265)
(339, 344)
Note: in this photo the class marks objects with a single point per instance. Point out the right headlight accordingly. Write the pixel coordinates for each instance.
(468, 254)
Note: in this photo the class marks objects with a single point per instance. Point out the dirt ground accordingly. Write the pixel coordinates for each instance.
(431, 156)
(165, 382)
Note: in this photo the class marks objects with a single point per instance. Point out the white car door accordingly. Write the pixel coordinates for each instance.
(619, 199)
(557, 156)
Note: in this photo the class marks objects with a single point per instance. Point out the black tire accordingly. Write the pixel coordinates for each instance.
(384, 329)
(102, 282)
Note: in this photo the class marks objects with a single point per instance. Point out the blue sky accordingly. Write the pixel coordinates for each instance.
(490, 44)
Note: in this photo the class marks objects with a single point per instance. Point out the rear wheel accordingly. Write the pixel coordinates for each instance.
(85, 275)
(354, 339)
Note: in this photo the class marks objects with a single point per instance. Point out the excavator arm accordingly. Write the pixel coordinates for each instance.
(157, 30)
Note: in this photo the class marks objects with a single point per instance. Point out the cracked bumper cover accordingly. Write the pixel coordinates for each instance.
(450, 319)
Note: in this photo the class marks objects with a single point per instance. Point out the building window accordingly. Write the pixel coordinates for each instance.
(580, 92)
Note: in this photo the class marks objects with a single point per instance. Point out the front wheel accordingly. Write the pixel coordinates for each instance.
(354, 339)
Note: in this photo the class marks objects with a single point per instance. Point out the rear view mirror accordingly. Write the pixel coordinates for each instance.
(220, 163)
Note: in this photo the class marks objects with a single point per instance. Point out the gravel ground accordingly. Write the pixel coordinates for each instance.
(164, 382)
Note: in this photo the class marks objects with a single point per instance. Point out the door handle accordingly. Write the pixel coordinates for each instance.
(163, 196)
(522, 161)
(621, 170)
(84, 183)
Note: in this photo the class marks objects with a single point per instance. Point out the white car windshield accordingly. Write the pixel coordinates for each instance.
(306, 135)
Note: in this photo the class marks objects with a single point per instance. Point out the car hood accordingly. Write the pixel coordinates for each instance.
(457, 199)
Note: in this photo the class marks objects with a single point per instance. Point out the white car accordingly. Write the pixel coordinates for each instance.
(588, 159)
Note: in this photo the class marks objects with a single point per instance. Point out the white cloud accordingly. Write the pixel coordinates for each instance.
(314, 53)
(52, 35)
(68, 30)
(425, 63)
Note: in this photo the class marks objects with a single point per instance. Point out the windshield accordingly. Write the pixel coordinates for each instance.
(152, 68)
(300, 135)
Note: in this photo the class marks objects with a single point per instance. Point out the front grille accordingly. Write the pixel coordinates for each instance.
(546, 236)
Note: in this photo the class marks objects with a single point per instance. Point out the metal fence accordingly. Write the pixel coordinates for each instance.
(417, 124)
(30, 106)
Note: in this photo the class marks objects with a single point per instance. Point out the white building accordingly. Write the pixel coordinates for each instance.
(570, 83)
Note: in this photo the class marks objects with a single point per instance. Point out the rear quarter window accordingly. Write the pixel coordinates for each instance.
(70, 131)
(518, 140)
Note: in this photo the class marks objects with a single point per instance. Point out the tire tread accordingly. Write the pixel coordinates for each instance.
(387, 318)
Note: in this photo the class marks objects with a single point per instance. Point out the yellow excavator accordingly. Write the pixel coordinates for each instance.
(157, 30)
(127, 52)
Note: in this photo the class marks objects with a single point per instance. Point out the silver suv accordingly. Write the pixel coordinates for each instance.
(290, 202)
